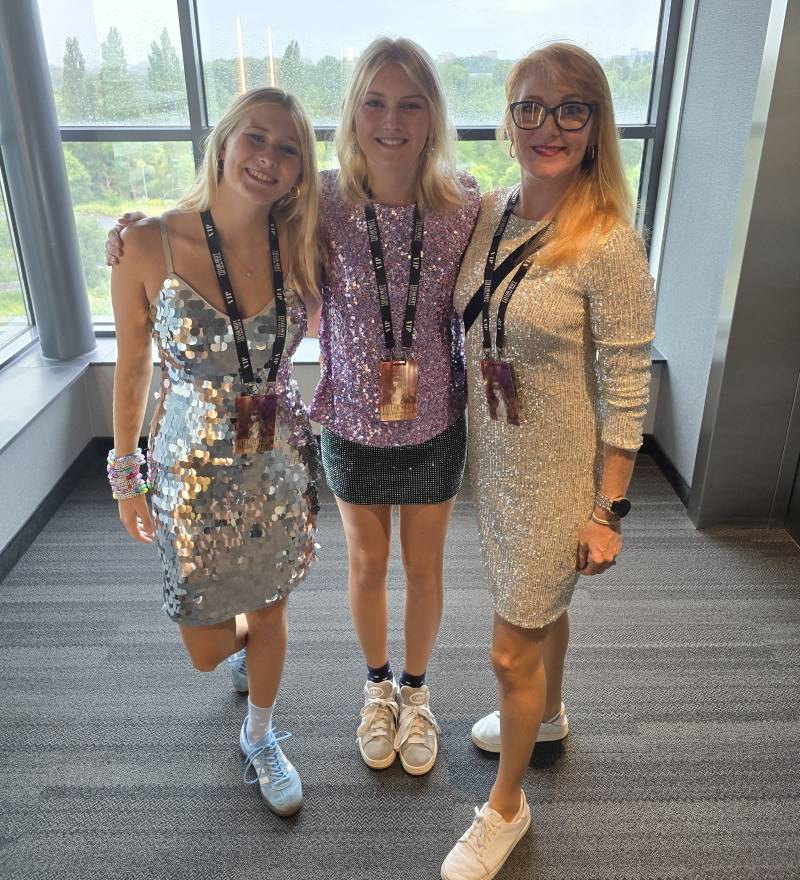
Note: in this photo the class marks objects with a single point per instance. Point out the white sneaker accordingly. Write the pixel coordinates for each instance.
(416, 741)
(483, 849)
(378, 726)
(486, 732)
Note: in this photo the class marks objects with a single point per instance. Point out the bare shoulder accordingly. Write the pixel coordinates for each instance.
(141, 237)
(142, 262)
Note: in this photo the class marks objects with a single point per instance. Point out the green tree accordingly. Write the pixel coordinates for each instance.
(75, 94)
(324, 89)
(164, 79)
(117, 94)
(290, 70)
(80, 183)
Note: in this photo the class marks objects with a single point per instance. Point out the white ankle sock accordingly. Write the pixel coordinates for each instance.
(259, 721)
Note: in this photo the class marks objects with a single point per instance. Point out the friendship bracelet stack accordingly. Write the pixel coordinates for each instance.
(124, 475)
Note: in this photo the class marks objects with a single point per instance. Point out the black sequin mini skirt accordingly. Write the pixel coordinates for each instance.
(421, 473)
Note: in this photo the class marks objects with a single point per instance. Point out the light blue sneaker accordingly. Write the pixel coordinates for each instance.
(278, 780)
(238, 665)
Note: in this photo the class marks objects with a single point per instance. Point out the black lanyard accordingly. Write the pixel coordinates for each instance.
(225, 286)
(489, 282)
(379, 265)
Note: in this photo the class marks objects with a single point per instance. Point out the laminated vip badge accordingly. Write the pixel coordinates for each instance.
(500, 387)
(255, 423)
(398, 401)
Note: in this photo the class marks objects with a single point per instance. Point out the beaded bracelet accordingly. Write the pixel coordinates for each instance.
(124, 475)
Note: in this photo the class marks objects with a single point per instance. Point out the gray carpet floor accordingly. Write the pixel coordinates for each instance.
(683, 761)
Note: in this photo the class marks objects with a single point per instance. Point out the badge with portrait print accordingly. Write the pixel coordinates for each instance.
(255, 423)
(500, 388)
(398, 400)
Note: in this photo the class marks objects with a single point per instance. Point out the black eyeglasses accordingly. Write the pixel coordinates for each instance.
(569, 116)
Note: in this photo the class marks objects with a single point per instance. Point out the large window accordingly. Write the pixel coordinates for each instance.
(107, 179)
(137, 85)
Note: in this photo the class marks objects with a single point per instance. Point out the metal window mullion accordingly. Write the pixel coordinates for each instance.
(193, 74)
(468, 133)
(660, 92)
(118, 133)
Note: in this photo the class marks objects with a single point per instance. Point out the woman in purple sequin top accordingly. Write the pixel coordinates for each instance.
(395, 151)
(351, 338)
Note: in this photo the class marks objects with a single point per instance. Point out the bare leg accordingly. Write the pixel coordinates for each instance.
(518, 664)
(266, 651)
(554, 651)
(208, 646)
(423, 528)
(368, 530)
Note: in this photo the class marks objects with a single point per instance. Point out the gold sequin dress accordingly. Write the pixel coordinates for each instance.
(579, 339)
(234, 532)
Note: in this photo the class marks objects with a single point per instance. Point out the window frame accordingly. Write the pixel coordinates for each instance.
(651, 132)
(20, 341)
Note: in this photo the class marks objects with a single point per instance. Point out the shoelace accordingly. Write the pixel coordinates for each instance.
(271, 757)
(481, 833)
(413, 723)
(376, 720)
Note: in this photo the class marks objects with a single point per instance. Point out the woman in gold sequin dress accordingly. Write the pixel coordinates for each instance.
(549, 492)
(233, 509)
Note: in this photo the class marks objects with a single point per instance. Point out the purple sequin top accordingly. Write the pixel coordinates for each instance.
(351, 335)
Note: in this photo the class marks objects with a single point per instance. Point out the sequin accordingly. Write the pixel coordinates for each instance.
(579, 339)
(234, 532)
(422, 473)
(351, 335)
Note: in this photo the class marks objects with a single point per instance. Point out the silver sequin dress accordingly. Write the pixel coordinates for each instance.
(234, 532)
(579, 339)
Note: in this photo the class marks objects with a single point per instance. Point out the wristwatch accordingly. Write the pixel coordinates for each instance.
(617, 507)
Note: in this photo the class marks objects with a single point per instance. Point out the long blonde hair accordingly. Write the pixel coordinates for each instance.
(297, 215)
(438, 188)
(599, 196)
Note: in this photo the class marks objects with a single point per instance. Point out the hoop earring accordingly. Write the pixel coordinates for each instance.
(591, 153)
(511, 151)
(294, 192)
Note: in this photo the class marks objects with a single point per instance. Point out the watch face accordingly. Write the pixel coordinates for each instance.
(621, 508)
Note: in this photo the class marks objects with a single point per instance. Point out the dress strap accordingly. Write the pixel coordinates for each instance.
(165, 241)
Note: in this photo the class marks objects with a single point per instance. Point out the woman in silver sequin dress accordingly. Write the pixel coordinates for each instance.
(577, 330)
(396, 151)
(235, 526)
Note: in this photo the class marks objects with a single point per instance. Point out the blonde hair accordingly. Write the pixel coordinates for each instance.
(599, 196)
(297, 215)
(438, 188)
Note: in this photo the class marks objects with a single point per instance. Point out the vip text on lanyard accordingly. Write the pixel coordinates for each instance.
(226, 288)
(379, 265)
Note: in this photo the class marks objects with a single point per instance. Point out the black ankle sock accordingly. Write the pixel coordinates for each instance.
(378, 674)
(414, 681)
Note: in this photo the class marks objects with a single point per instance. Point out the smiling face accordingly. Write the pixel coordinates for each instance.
(547, 152)
(393, 121)
(262, 156)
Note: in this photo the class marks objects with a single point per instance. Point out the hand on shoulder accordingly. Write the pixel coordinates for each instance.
(138, 238)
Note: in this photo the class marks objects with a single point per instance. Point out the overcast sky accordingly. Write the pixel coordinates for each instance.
(463, 27)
